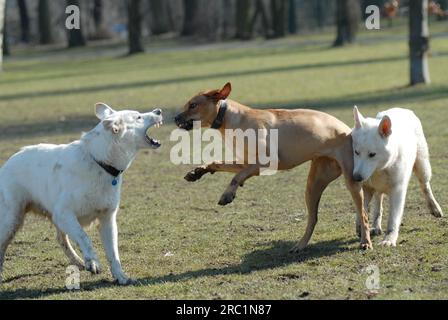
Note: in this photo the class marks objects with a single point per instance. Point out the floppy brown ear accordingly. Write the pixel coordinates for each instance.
(385, 127)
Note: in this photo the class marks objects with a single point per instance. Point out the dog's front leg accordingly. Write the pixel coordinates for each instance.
(198, 172)
(67, 223)
(109, 237)
(238, 180)
(396, 204)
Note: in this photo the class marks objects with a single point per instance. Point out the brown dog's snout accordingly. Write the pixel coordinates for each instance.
(183, 123)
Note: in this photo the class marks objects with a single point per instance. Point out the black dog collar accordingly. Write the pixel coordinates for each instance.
(220, 117)
(114, 172)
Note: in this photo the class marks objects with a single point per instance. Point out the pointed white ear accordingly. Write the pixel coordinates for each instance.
(102, 110)
(385, 127)
(358, 117)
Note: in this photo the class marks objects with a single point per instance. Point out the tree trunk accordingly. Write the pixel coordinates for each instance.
(242, 19)
(2, 24)
(260, 10)
(348, 16)
(134, 27)
(75, 36)
(278, 9)
(45, 33)
(5, 49)
(24, 21)
(292, 17)
(98, 14)
(160, 19)
(319, 13)
(190, 11)
(419, 41)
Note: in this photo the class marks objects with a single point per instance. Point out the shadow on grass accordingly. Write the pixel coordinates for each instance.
(276, 255)
(397, 96)
(390, 96)
(217, 75)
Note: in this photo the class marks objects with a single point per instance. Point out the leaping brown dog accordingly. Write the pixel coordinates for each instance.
(303, 135)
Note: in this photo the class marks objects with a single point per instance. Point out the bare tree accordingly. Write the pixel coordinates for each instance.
(348, 16)
(278, 9)
(161, 21)
(24, 21)
(134, 27)
(242, 19)
(419, 41)
(97, 14)
(5, 49)
(292, 17)
(75, 36)
(2, 24)
(45, 32)
(190, 12)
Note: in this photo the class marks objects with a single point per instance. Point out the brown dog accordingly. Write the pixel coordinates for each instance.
(303, 135)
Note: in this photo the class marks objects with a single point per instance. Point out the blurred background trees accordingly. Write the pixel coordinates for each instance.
(2, 25)
(136, 21)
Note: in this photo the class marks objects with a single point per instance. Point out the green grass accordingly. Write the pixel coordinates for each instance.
(239, 251)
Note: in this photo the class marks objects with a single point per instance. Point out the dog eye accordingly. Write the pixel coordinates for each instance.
(139, 118)
(357, 152)
(193, 105)
(372, 154)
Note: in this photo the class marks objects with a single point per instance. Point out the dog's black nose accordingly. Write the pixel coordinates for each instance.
(157, 111)
(357, 177)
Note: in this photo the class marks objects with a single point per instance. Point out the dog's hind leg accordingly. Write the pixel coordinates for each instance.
(422, 169)
(11, 219)
(68, 250)
(322, 172)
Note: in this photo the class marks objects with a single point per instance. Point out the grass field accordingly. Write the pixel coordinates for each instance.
(239, 251)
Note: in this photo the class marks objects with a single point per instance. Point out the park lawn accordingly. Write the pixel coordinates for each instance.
(240, 251)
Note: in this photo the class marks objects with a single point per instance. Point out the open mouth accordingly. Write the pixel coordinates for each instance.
(154, 143)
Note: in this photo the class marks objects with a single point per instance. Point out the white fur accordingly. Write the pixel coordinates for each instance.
(64, 183)
(385, 158)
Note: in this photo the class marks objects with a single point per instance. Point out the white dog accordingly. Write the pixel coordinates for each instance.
(76, 184)
(386, 152)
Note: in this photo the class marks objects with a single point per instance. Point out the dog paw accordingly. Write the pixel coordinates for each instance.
(436, 211)
(297, 248)
(195, 174)
(93, 266)
(388, 243)
(375, 231)
(366, 245)
(125, 281)
(226, 198)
